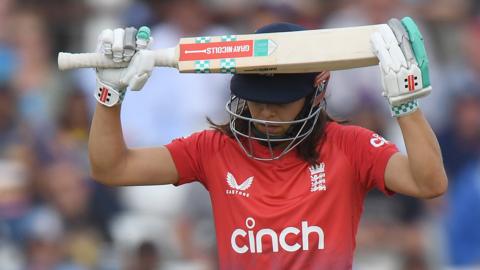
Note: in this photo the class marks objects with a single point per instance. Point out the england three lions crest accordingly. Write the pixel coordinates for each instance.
(317, 177)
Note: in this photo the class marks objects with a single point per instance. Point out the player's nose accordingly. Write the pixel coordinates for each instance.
(267, 111)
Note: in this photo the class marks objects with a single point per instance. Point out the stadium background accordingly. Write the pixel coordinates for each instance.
(53, 216)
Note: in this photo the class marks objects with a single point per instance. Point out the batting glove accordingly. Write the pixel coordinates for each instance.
(129, 46)
(403, 64)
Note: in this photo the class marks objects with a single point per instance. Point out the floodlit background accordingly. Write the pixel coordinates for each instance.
(53, 216)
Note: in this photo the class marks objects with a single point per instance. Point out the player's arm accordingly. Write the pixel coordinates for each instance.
(405, 79)
(421, 174)
(112, 163)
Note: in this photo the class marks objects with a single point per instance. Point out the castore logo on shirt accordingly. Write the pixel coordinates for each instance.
(237, 189)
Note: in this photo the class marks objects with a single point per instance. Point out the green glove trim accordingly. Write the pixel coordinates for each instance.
(418, 47)
(404, 109)
(143, 33)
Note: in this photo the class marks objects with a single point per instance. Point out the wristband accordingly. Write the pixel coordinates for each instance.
(404, 109)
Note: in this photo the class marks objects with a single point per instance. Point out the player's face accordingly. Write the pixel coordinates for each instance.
(275, 112)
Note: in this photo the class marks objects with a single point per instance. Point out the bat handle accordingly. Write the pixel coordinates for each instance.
(163, 58)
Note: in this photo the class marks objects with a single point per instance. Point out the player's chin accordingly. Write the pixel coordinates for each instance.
(275, 130)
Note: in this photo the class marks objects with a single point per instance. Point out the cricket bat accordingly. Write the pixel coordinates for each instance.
(283, 52)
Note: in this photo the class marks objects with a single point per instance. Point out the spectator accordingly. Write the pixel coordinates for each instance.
(460, 140)
(44, 245)
(146, 257)
(12, 131)
(69, 139)
(462, 219)
(53, 216)
(40, 89)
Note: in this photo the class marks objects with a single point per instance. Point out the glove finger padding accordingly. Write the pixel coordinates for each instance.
(104, 43)
(118, 44)
(389, 65)
(403, 40)
(418, 48)
(129, 43)
(144, 39)
(391, 43)
(401, 76)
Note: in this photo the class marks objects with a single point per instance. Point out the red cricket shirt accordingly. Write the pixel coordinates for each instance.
(286, 214)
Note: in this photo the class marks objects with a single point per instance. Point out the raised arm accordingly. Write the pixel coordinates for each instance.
(421, 174)
(404, 68)
(112, 163)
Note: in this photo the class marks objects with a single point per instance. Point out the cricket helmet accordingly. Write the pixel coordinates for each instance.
(274, 89)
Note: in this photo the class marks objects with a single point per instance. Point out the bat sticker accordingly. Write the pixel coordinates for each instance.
(226, 49)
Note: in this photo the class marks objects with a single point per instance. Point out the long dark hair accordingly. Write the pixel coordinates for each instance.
(307, 149)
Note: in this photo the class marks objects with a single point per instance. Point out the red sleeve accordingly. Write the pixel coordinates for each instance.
(369, 154)
(187, 154)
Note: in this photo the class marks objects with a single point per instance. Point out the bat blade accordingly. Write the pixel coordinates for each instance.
(286, 52)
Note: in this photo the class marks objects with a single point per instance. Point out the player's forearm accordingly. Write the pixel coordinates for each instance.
(424, 154)
(106, 145)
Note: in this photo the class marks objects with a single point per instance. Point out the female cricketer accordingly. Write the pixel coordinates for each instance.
(286, 182)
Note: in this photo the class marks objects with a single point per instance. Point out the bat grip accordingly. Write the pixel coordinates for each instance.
(66, 61)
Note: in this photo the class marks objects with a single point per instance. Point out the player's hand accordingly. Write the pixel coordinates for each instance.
(123, 45)
(403, 64)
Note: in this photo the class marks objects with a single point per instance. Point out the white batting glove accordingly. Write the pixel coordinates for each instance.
(402, 78)
(123, 45)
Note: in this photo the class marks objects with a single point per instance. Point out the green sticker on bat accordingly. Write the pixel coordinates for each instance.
(263, 47)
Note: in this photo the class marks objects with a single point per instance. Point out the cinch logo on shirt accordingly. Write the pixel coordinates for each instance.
(236, 188)
(255, 239)
(317, 177)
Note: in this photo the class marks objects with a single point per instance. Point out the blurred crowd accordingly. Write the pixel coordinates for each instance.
(54, 216)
